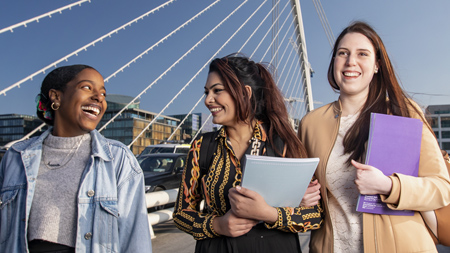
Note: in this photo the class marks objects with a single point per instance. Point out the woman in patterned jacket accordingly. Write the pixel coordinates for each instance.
(243, 97)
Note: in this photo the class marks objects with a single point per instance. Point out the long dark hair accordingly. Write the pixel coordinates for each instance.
(385, 93)
(57, 79)
(266, 103)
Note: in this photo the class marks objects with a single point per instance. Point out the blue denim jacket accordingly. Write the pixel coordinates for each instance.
(112, 213)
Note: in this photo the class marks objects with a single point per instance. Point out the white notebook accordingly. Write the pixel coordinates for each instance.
(282, 182)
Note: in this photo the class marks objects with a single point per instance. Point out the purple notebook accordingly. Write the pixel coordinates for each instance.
(394, 147)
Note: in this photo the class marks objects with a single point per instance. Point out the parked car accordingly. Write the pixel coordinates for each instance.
(166, 148)
(162, 171)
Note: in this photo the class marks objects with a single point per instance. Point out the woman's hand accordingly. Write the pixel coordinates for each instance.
(371, 180)
(249, 204)
(231, 225)
(312, 194)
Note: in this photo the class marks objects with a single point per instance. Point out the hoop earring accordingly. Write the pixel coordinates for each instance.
(53, 106)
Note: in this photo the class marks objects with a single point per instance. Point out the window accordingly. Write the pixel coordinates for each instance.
(445, 121)
(445, 134)
(446, 145)
(434, 122)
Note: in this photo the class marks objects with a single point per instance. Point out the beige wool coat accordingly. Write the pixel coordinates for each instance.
(381, 233)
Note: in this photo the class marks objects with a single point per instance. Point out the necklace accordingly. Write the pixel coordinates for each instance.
(54, 166)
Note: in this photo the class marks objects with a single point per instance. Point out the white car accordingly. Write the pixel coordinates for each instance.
(166, 148)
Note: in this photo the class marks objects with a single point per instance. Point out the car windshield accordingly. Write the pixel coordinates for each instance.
(183, 150)
(161, 150)
(156, 164)
(155, 150)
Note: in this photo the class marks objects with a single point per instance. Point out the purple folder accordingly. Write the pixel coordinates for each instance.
(394, 147)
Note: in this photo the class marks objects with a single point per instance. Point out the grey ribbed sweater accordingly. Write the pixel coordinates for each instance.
(53, 215)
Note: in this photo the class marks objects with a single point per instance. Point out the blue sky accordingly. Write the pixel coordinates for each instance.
(415, 33)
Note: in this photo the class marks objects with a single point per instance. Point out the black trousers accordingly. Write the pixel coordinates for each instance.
(39, 246)
(258, 240)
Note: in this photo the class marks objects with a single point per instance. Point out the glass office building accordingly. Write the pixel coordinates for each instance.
(193, 123)
(439, 118)
(15, 126)
(129, 124)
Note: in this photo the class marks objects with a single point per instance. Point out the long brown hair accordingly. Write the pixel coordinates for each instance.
(385, 93)
(266, 103)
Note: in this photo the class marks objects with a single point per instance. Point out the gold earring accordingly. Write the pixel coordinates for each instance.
(53, 106)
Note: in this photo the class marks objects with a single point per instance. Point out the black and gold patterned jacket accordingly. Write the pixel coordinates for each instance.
(225, 173)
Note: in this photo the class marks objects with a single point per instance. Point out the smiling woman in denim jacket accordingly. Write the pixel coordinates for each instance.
(71, 189)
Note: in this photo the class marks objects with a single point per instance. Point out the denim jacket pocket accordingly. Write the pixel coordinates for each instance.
(8, 212)
(107, 227)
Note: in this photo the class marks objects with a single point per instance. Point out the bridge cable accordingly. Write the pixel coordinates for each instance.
(161, 40)
(165, 72)
(324, 22)
(286, 63)
(270, 28)
(289, 71)
(65, 58)
(48, 14)
(196, 134)
(282, 41)
(204, 65)
(276, 35)
(282, 57)
(187, 84)
(257, 28)
(187, 115)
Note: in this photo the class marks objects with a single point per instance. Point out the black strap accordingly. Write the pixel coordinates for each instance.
(278, 145)
(207, 149)
(209, 146)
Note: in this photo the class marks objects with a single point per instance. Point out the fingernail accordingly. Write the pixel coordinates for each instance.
(238, 187)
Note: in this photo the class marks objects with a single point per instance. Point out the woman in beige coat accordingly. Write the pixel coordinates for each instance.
(337, 133)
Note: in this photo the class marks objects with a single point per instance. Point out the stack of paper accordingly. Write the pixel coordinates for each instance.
(280, 181)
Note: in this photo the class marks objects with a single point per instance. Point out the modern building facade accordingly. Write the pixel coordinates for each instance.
(193, 123)
(15, 126)
(439, 116)
(132, 121)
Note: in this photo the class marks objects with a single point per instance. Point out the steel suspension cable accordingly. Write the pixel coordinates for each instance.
(289, 71)
(48, 14)
(181, 123)
(276, 35)
(198, 72)
(324, 22)
(161, 40)
(284, 66)
(270, 28)
(165, 72)
(187, 84)
(298, 92)
(187, 115)
(282, 41)
(65, 58)
(260, 24)
(281, 59)
(196, 134)
(297, 66)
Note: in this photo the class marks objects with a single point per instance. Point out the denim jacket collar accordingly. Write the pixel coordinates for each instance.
(100, 147)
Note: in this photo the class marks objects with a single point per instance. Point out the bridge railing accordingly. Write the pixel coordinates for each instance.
(157, 199)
